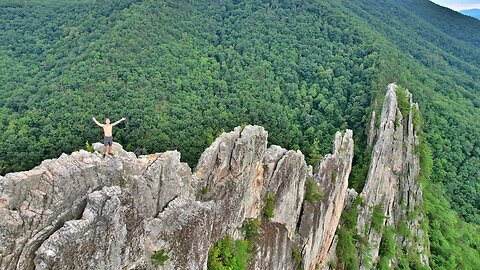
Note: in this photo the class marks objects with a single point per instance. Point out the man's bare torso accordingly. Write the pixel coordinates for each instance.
(107, 127)
(107, 130)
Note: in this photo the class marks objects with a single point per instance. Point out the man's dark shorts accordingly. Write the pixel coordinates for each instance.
(107, 141)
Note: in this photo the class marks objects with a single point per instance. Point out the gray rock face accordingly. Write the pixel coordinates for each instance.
(228, 170)
(274, 248)
(320, 219)
(100, 234)
(184, 230)
(392, 185)
(82, 211)
(313, 225)
(38, 203)
(287, 183)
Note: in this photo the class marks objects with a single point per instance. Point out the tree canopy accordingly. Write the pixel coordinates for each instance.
(181, 71)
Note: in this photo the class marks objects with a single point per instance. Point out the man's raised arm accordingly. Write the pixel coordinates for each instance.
(96, 122)
(119, 121)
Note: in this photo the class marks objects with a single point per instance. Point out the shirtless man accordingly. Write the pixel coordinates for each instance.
(107, 131)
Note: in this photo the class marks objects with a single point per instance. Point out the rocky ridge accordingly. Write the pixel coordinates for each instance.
(81, 211)
(392, 195)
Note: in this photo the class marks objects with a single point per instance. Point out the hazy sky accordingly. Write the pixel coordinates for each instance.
(458, 4)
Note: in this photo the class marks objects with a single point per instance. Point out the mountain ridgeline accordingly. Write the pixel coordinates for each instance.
(182, 72)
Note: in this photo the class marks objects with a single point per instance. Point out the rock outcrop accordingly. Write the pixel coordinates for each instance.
(392, 190)
(320, 219)
(66, 199)
(82, 211)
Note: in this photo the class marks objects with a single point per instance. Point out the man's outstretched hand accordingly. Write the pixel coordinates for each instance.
(96, 122)
(118, 122)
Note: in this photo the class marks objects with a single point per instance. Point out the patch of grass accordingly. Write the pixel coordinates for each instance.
(409, 259)
(229, 254)
(348, 237)
(160, 257)
(412, 214)
(312, 192)
(397, 123)
(334, 176)
(387, 249)
(269, 206)
(403, 228)
(346, 249)
(204, 190)
(417, 120)
(315, 154)
(403, 102)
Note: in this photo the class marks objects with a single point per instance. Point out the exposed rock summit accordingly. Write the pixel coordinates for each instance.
(82, 211)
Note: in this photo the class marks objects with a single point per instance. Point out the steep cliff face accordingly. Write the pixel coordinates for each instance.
(81, 211)
(320, 219)
(392, 196)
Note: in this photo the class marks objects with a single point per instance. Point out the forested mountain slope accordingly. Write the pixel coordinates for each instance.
(181, 71)
(443, 71)
(437, 58)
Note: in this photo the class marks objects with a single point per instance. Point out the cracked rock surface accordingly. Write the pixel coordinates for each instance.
(392, 184)
(320, 220)
(82, 211)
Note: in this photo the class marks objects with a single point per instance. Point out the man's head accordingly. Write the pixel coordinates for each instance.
(107, 121)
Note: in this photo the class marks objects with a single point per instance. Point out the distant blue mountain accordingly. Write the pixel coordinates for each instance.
(471, 12)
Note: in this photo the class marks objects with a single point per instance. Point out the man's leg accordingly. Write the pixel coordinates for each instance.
(110, 142)
(105, 146)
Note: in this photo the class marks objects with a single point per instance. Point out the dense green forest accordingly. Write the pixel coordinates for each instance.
(181, 71)
(440, 64)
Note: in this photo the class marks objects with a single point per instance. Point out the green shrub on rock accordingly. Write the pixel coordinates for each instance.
(250, 228)
(160, 257)
(229, 254)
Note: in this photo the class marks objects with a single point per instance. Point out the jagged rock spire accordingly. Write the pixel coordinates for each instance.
(392, 188)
